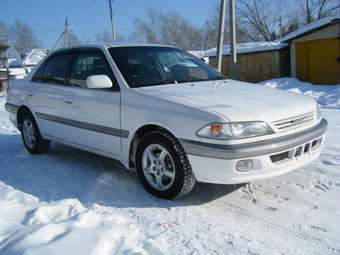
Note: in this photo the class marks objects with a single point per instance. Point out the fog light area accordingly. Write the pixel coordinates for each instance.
(244, 165)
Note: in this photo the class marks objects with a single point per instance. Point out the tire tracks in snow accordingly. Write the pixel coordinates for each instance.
(246, 218)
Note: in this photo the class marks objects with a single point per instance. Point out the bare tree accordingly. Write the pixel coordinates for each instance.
(210, 27)
(3, 31)
(169, 28)
(317, 9)
(105, 36)
(259, 19)
(22, 37)
(291, 25)
(73, 39)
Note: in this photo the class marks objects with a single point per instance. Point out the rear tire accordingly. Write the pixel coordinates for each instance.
(168, 165)
(31, 136)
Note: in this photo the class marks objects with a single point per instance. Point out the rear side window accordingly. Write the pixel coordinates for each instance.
(39, 74)
(53, 71)
(86, 64)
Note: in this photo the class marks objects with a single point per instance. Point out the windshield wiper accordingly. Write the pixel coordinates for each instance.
(211, 79)
(168, 82)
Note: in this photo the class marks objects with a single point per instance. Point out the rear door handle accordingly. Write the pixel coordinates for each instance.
(53, 96)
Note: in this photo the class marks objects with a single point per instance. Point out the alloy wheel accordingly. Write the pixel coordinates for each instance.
(158, 167)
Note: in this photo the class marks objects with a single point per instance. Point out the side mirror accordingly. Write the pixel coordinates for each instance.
(98, 82)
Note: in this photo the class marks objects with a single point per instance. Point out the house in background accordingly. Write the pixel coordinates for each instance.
(3, 66)
(257, 61)
(33, 57)
(312, 54)
(315, 51)
(18, 68)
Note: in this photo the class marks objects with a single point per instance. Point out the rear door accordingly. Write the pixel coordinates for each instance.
(92, 116)
(46, 93)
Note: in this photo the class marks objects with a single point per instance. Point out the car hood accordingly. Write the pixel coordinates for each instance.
(235, 100)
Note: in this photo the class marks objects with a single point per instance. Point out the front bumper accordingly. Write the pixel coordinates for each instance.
(216, 163)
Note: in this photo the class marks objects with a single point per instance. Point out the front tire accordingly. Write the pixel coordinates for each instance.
(163, 166)
(31, 136)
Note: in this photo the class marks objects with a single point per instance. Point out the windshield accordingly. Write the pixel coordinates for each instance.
(149, 66)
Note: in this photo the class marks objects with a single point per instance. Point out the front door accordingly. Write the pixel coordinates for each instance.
(92, 116)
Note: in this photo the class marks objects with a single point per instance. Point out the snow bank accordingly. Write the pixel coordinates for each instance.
(31, 227)
(328, 96)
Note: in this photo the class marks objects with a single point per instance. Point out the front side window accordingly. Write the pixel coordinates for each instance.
(55, 69)
(86, 64)
(149, 66)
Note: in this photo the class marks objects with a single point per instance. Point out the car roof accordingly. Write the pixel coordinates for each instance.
(106, 46)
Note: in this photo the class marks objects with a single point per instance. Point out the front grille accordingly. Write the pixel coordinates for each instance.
(279, 157)
(296, 152)
(294, 122)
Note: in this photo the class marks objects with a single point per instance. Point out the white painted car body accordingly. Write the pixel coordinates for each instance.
(105, 122)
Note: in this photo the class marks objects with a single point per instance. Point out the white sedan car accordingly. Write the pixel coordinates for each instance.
(165, 114)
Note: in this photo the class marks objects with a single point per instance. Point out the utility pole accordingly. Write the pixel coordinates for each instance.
(221, 35)
(66, 35)
(308, 18)
(233, 56)
(112, 22)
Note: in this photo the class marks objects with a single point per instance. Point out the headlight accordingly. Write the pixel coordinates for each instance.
(216, 131)
(234, 130)
(318, 112)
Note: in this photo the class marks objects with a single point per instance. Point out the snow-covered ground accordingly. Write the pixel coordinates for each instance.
(327, 96)
(72, 202)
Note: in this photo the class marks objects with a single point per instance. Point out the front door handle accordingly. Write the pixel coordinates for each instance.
(68, 101)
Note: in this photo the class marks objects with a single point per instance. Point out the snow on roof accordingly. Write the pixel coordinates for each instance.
(14, 62)
(248, 48)
(34, 56)
(310, 27)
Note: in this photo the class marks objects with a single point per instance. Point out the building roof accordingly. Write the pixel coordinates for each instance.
(311, 27)
(34, 56)
(248, 47)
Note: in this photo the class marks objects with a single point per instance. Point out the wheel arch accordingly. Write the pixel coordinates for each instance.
(138, 134)
(21, 110)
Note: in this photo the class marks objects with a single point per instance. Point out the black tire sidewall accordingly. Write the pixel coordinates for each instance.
(38, 138)
(157, 138)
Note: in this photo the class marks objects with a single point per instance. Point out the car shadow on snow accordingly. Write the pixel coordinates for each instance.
(65, 172)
